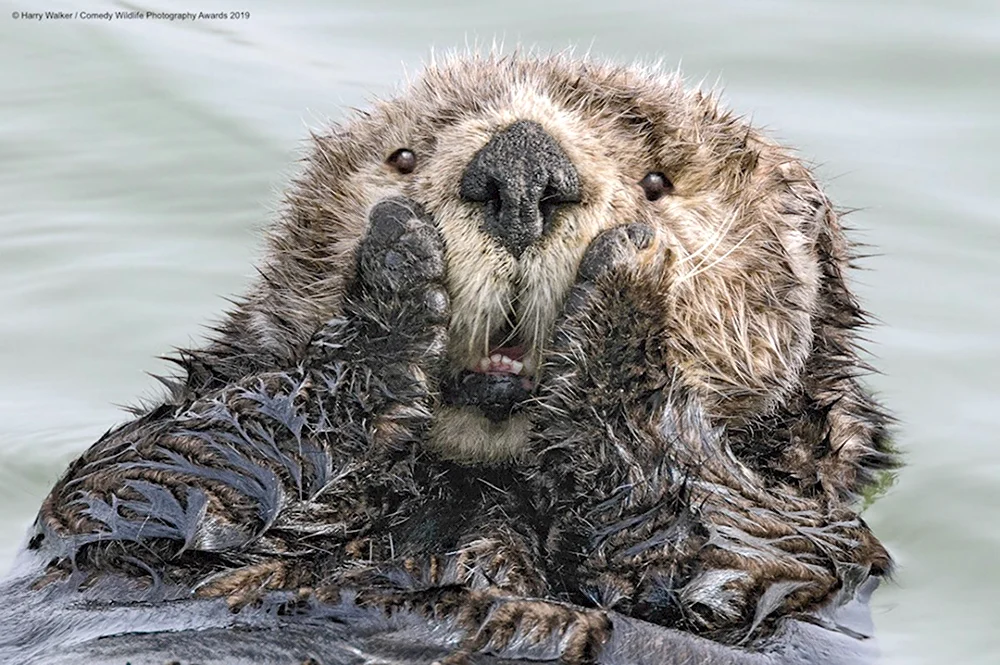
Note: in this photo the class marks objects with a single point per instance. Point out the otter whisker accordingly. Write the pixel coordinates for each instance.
(704, 268)
(711, 244)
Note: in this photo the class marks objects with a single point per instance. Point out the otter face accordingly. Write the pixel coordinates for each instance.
(522, 163)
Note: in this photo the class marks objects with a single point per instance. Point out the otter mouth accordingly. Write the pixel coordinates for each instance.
(498, 383)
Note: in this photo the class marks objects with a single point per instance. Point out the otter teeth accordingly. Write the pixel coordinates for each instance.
(499, 364)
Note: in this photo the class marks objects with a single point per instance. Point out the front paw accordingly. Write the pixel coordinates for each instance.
(396, 307)
(613, 326)
(615, 249)
(379, 361)
(401, 256)
(606, 371)
(614, 258)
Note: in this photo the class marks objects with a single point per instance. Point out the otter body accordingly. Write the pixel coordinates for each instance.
(544, 350)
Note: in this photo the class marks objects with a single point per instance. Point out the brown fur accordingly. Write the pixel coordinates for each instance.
(758, 293)
(699, 432)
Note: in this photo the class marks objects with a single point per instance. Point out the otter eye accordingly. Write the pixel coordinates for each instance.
(403, 160)
(655, 185)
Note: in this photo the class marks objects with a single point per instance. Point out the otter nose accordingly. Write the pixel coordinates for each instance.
(521, 176)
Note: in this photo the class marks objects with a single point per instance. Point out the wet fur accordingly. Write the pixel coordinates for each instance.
(699, 434)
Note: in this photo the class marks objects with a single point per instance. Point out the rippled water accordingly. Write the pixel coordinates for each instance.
(139, 160)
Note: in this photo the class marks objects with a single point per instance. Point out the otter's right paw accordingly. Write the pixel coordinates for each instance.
(401, 255)
(396, 308)
(382, 357)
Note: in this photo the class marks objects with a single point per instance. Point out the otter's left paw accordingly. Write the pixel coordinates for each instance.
(615, 253)
(606, 369)
(610, 339)
(615, 248)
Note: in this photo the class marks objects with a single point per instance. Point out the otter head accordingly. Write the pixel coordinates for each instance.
(522, 163)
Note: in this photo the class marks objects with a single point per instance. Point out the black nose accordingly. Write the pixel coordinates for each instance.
(521, 176)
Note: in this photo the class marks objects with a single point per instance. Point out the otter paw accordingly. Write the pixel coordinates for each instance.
(539, 629)
(608, 347)
(396, 308)
(402, 250)
(500, 563)
(615, 248)
(611, 253)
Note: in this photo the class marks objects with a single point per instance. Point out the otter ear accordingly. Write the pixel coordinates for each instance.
(849, 434)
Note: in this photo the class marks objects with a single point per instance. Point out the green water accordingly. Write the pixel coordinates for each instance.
(139, 160)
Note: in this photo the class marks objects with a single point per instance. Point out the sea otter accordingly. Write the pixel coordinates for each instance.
(541, 348)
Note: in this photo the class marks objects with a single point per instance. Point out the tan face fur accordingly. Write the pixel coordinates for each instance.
(742, 226)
